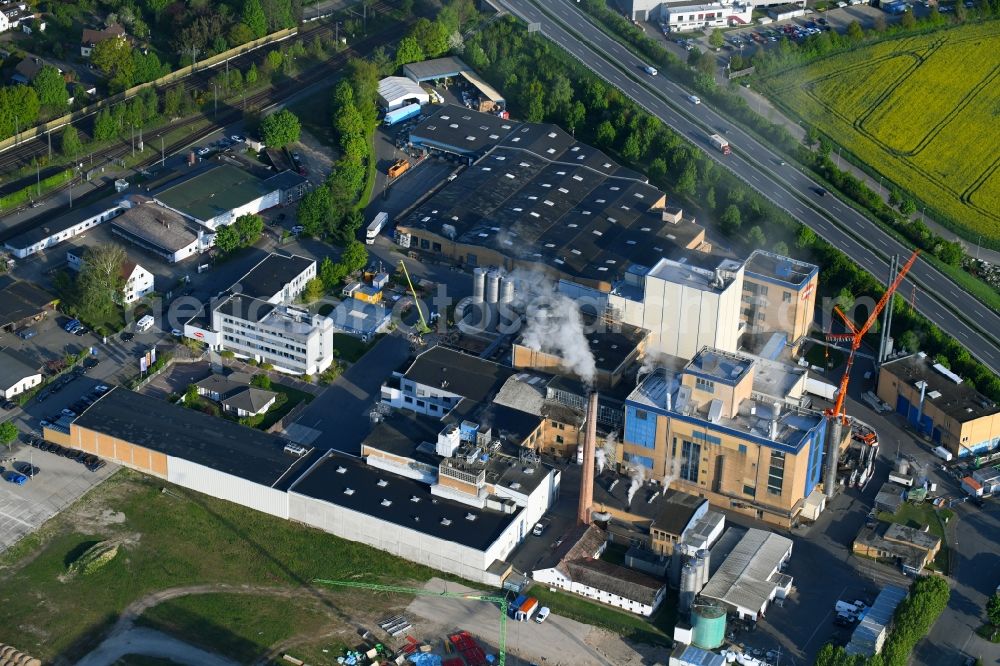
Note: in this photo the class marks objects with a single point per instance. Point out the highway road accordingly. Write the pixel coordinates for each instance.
(937, 297)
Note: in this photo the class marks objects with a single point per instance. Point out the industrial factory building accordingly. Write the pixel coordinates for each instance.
(534, 197)
(749, 577)
(159, 230)
(52, 231)
(205, 453)
(398, 91)
(684, 306)
(216, 196)
(575, 566)
(939, 405)
(21, 303)
(779, 297)
(442, 69)
(728, 428)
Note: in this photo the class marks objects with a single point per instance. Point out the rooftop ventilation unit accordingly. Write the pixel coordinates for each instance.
(382, 483)
(386, 502)
(348, 491)
(445, 522)
(341, 470)
(470, 517)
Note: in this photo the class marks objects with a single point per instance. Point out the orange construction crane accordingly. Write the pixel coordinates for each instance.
(856, 334)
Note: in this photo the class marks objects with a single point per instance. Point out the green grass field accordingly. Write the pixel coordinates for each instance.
(921, 110)
(179, 539)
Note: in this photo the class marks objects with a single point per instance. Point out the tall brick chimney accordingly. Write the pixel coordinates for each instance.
(589, 453)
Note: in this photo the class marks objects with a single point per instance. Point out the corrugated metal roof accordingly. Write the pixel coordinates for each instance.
(745, 578)
(868, 635)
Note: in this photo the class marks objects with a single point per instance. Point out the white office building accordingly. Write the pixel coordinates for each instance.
(693, 16)
(685, 307)
(254, 318)
(50, 232)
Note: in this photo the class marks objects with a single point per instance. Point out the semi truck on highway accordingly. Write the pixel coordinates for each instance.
(720, 144)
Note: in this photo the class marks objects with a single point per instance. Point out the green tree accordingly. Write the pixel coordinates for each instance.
(907, 21)
(432, 36)
(227, 239)
(113, 57)
(51, 89)
(716, 39)
(993, 609)
(262, 381)
(253, 17)
(687, 183)
(8, 433)
(315, 210)
(331, 273)
(576, 116)
(70, 143)
(907, 207)
(408, 51)
(248, 229)
(314, 290)
(534, 101)
(755, 237)
(605, 134)
(251, 77)
(280, 129)
(273, 60)
(240, 33)
(731, 220)
(354, 257)
(879, 25)
(845, 299)
(19, 108)
(854, 31)
(105, 127)
(909, 341)
(100, 282)
(781, 247)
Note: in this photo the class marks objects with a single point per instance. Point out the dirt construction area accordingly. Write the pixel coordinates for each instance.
(558, 641)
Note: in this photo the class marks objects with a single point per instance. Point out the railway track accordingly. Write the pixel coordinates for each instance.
(226, 114)
(24, 153)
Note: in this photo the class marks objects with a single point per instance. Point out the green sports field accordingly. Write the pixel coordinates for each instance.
(924, 111)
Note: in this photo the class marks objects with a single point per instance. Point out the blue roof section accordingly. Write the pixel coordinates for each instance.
(719, 366)
(772, 349)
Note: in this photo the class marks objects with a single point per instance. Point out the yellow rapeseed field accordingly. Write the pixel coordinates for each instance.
(924, 111)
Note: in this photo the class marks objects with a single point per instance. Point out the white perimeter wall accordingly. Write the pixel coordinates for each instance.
(269, 200)
(226, 486)
(404, 542)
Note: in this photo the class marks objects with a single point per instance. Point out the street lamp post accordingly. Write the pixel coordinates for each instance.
(978, 241)
(880, 185)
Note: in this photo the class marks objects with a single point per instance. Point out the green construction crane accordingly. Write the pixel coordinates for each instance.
(473, 596)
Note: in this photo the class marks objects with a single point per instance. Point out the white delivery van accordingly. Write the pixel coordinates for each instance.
(144, 324)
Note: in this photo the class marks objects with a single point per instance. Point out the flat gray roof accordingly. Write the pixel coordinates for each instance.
(188, 434)
(947, 392)
(157, 225)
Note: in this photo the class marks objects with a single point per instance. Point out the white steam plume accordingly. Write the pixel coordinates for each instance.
(601, 457)
(638, 477)
(553, 325)
(673, 470)
(610, 446)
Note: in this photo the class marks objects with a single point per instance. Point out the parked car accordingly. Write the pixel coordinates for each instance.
(127, 336)
(26, 468)
(44, 424)
(96, 466)
(177, 333)
(26, 333)
(237, 138)
(101, 389)
(91, 362)
(15, 477)
(543, 613)
(81, 331)
(298, 229)
(203, 151)
(8, 405)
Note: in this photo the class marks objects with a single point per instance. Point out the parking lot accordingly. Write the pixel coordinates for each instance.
(57, 483)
